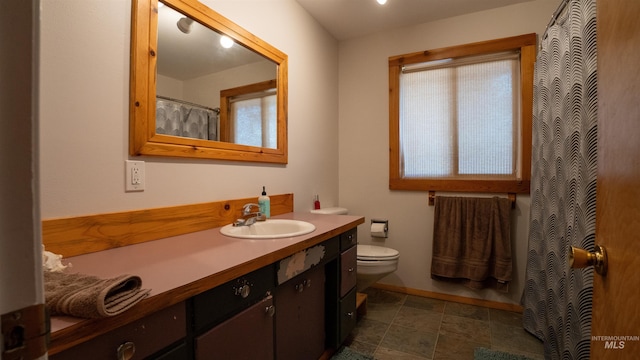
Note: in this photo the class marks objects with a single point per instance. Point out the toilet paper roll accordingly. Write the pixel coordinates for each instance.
(378, 230)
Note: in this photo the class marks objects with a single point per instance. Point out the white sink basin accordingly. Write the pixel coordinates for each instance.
(270, 229)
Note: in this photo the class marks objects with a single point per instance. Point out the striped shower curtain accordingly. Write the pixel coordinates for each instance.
(557, 299)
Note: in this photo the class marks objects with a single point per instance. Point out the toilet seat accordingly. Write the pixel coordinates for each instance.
(376, 253)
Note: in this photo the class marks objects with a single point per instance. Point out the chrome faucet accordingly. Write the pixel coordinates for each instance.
(248, 217)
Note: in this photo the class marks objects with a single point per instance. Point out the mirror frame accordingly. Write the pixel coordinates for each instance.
(143, 139)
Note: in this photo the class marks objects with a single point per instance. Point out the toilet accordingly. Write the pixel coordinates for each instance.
(374, 262)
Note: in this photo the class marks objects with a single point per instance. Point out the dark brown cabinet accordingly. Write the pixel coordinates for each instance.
(341, 290)
(348, 274)
(300, 316)
(293, 309)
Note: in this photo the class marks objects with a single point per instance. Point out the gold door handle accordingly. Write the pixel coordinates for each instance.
(579, 258)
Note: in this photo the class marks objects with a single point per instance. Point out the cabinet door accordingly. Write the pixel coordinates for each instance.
(300, 323)
(246, 336)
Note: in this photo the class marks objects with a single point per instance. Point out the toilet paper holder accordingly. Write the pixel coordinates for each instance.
(379, 228)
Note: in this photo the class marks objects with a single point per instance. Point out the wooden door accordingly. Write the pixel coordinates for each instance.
(616, 296)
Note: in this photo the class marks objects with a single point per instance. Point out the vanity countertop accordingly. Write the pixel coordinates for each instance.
(179, 267)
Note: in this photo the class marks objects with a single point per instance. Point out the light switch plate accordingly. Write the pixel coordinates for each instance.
(134, 175)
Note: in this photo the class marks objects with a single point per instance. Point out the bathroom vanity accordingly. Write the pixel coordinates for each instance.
(214, 296)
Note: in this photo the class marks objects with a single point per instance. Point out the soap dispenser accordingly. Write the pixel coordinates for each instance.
(265, 203)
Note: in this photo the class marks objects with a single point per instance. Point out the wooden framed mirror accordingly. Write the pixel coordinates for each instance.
(191, 97)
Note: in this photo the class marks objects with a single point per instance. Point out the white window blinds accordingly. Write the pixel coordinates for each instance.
(459, 118)
(252, 116)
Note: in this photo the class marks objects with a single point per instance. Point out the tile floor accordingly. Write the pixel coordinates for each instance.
(406, 327)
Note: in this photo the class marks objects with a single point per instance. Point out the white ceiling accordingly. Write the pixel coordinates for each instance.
(346, 19)
(187, 56)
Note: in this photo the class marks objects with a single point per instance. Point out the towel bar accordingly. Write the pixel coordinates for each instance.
(432, 198)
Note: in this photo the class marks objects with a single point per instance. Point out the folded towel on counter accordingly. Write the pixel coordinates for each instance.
(90, 297)
(472, 241)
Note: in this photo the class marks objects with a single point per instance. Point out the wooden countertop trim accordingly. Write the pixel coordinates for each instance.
(79, 235)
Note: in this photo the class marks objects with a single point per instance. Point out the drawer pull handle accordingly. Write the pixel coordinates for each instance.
(270, 310)
(300, 287)
(350, 314)
(351, 269)
(243, 291)
(126, 351)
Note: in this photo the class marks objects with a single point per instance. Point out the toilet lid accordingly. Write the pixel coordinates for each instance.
(372, 252)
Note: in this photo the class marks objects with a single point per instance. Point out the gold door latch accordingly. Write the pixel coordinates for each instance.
(579, 258)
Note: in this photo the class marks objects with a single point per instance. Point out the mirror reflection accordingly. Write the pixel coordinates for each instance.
(212, 88)
(227, 104)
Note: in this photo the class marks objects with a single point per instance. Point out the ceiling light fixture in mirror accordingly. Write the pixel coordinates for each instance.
(207, 100)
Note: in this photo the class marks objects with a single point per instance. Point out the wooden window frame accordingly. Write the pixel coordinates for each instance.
(526, 45)
(225, 104)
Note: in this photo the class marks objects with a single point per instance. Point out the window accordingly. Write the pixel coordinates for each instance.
(252, 116)
(460, 117)
(248, 115)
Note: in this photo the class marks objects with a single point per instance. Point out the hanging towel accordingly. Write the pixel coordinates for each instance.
(89, 296)
(472, 241)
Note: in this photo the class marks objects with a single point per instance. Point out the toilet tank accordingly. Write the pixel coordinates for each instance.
(331, 211)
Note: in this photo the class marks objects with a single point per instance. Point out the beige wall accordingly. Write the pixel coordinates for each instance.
(364, 140)
(84, 92)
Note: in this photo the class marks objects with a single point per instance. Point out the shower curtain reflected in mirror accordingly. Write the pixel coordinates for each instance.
(557, 299)
(186, 120)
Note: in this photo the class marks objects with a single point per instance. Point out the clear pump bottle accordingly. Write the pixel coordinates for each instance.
(265, 203)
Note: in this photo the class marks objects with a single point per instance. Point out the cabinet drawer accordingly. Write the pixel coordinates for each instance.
(246, 336)
(348, 266)
(348, 239)
(347, 315)
(222, 302)
(331, 248)
(148, 335)
(179, 352)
